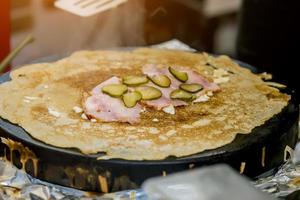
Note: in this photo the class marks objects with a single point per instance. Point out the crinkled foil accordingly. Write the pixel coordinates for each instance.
(16, 184)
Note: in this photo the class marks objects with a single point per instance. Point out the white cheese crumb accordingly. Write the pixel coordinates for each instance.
(171, 133)
(93, 120)
(186, 126)
(53, 112)
(77, 109)
(30, 98)
(209, 93)
(83, 116)
(202, 98)
(169, 109)
(153, 130)
(201, 122)
(164, 138)
(220, 72)
(144, 109)
(155, 120)
(26, 100)
(221, 80)
(46, 86)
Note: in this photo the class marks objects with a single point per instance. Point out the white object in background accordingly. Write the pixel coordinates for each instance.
(86, 8)
(174, 44)
(217, 182)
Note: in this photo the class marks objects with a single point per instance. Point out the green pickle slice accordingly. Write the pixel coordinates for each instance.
(161, 80)
(114, 90)
(130, 99)
(181, 76)
(182, 95)
(193, 87)
(149, 92)
(135, 80)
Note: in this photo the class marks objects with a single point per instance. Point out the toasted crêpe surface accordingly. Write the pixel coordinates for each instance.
(41, 97)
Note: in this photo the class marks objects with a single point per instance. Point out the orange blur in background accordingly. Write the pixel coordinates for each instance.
(4, 28)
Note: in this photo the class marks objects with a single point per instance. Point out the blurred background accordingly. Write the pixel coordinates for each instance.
(207, 25)
(263, 33)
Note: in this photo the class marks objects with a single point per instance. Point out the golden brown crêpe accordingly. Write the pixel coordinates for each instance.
(41, 97)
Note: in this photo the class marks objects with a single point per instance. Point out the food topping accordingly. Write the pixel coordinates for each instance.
(149, 92)
(179, 75)
(135, 80)
(120, 99)
(161, 80)
(130, 99)
(182, 95)
(114, 90)
(193, 87)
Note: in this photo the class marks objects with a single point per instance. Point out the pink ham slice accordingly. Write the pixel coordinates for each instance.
(165, 100)
(109, 109)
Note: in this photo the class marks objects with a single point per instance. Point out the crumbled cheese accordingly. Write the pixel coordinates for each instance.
(220, 73)
(162, 137)
(93, 120)
(155, 120)
(53, 112)
(209, 93)
(201, 122)
(83, 116)
(171, 133)
(169, 109)
(77, 109)
(30, 98)
(143, 109)
(202, 98)
(153, 130)
(46, 86)
(26, 100)
(186, 126)
(221, 80)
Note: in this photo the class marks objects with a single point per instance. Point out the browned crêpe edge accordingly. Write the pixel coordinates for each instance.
(244, 103)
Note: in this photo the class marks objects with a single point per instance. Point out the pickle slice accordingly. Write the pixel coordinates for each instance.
(181, 95)
(193, 87)
(130, 99)
(149, 92)
(135, 80)
(181, 76)
(114, 90)
(161, 80)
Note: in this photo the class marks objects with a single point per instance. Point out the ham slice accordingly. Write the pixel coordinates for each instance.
(108, 109)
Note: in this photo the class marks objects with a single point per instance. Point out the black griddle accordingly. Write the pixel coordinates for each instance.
(260, 152)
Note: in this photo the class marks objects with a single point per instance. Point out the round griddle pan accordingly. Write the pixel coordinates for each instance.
(265, 149)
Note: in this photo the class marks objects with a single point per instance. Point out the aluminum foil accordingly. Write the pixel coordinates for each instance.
(16, 184)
